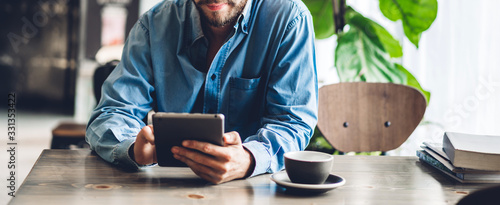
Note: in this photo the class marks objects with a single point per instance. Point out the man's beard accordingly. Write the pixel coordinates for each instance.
(217, 18)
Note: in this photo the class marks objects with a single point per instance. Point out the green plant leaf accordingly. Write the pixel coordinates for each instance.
(413, 82)
(322, 14)
(390, 44)
(416, 15)
(361, 52)
(375, 31)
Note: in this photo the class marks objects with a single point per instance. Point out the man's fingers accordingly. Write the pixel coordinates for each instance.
(199, 158)
(147, 133)
(194, 165)
(200, 169)
(152, 130)
(207, 148)
(216, 164)
(232, 138)
(144, 147)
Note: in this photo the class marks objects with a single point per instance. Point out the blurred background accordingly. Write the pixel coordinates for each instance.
(48, 56)
(50, 49)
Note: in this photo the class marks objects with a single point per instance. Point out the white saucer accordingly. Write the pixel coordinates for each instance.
(332, 182)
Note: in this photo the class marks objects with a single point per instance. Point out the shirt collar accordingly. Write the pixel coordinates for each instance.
(195, 30)
(244, 17)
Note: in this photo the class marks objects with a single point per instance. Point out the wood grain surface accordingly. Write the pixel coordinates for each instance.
(81, 177)
(366, 108)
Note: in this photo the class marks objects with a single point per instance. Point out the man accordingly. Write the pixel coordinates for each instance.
(251, 60)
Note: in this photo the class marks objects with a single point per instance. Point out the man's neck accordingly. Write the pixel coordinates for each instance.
(218, 35)
(216, 38)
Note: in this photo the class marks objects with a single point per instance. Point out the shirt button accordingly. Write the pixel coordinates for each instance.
(213, 76)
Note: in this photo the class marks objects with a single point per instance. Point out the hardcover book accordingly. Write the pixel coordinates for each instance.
(472, 151)
(435, 150)
(463, 177)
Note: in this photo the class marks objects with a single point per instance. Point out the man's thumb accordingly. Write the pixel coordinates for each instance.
(232, 138)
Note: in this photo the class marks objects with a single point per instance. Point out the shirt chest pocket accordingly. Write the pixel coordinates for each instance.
(245, 100)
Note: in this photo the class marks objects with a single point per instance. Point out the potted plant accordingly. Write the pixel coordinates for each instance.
(365, 50)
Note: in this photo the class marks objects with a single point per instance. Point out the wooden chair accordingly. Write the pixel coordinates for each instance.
(68, 135)
(366, 117)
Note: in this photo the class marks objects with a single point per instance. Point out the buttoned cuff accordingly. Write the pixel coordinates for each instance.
(261, 156)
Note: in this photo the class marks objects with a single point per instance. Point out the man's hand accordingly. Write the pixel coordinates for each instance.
(144, 147)
(217, 164)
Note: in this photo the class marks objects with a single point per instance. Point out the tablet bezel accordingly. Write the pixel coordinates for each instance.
(170, 129)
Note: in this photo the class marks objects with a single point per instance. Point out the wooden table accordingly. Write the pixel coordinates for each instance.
(81, 177)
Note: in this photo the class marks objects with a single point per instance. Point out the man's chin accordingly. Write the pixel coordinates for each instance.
(226, 14)
(218, 24)
(217, 20)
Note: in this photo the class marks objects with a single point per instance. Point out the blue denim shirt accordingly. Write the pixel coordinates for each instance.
(263, 79)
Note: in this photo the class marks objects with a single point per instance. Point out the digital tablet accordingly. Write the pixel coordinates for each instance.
(170, 129)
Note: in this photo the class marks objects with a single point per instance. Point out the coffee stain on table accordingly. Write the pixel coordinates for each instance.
(102, 186)
(195, 196)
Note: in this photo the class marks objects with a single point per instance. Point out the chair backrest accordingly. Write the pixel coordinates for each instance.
(100, 75)
(365, 117)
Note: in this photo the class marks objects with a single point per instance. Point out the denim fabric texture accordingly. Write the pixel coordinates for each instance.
(263, 79)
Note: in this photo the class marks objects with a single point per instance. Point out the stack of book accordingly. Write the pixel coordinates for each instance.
(466, 158)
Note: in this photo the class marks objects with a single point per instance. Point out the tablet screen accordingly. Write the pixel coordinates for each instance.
(170, 129)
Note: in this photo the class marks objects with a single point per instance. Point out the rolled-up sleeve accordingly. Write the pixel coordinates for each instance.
(291, 99)
(125, 101)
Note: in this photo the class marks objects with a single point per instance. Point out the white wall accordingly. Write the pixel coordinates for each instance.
(145, 5)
